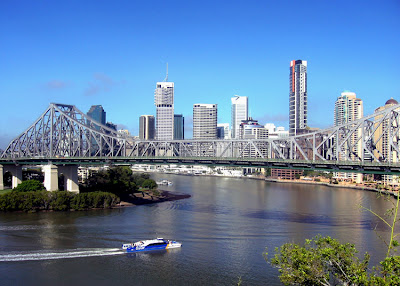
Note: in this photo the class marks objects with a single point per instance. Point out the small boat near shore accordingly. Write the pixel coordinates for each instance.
(151, 244)
(164, 182)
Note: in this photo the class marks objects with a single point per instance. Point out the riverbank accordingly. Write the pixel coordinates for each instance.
(395, 194)
(297, 181)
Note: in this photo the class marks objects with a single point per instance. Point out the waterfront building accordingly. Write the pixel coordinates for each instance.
(297, 96)
(239, 112)
(349, 108)
(204, 121)
(382, 139)
(286, 174)
(179, 127)
(146, 127)
(164, 102)
(223, 131)
(97, 113)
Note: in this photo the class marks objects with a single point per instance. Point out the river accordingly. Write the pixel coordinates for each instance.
(224, 227)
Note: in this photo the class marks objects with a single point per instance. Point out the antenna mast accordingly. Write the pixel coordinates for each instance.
(166, 78)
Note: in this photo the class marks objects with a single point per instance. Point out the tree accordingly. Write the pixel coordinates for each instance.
(325, 261)
(390, 220)
(320, 261)
(29, 186)
(118, 180)
(149, 184)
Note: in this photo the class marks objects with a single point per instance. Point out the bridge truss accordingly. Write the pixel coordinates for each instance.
(64, 131)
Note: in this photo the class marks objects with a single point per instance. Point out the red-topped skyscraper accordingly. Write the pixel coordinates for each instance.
(297, 97)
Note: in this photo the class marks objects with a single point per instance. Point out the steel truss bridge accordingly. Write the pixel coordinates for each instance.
(64, 135)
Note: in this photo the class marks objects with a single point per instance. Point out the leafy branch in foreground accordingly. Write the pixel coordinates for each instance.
(390, 220)
(320, 261)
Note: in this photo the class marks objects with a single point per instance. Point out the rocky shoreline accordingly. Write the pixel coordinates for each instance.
(151, 197)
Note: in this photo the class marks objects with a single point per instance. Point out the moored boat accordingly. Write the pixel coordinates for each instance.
(164, 182)
(151, 244)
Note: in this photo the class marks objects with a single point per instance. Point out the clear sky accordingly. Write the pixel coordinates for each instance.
(113, 52)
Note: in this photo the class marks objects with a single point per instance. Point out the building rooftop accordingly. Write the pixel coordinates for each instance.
(391, 101)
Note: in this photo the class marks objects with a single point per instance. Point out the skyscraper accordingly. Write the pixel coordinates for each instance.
(297, 96)
(146, 127)
(164, 102)
(179, 127)
(97, 113)
(204, 121)
(239, 113)
(349, 108)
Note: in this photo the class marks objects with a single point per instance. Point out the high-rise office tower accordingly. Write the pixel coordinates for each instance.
(297, 96)
(179, 127)
(97, 113)
(164, 102)
(239, 112)
(349, 108)
(146, 127)
(204, 121)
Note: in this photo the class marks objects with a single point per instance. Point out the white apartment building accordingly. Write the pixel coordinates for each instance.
(349, 108)
(382, 139)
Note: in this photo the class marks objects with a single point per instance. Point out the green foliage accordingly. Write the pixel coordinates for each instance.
(388, 273)
(61, 200)
(57, 201)
(29, 186)
(120, 181)
(390, 218)
(149, 184)
(320, 261)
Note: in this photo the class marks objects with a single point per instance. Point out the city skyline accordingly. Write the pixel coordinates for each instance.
(83, 60)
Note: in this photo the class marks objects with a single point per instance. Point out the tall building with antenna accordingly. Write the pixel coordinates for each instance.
(164, 102)
(239, 112)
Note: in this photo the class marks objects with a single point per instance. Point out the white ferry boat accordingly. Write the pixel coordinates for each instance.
(152, 244)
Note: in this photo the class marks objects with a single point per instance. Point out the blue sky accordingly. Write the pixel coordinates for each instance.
(113, 52)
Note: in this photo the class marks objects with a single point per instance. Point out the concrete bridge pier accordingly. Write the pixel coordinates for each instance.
(1, 178)
(70, 173)
(16, 172)
(50, 177)
(70, 178)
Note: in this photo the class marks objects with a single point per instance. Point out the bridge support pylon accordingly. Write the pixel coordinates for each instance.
(16, 172)
(1, 178)
(70, 178)
(50, 177)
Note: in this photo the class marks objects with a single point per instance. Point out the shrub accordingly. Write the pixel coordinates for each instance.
(29, 186)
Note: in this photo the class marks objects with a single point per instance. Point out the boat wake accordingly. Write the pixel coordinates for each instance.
(71, 253)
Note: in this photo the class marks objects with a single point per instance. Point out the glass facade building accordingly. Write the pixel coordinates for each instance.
(179, 127)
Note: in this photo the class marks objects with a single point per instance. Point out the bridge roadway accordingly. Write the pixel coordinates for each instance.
(69, 166)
